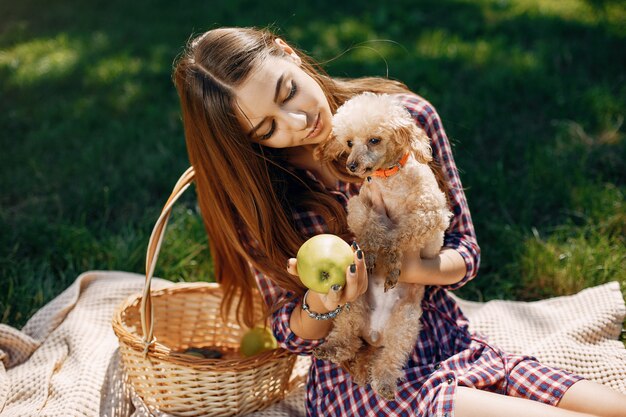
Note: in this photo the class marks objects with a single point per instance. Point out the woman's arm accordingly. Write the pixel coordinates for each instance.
(448, 268)
(306, 327)
(459, 259)
(281, 318)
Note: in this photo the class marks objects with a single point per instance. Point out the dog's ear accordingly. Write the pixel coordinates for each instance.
(414, 138)
(329, 150)
(421, 145)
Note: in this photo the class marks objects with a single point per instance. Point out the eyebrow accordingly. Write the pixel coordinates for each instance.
(279, 83)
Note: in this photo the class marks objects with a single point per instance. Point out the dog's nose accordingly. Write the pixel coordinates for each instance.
(353, 166)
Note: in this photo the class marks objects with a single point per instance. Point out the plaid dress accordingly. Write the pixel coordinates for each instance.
(446, 354)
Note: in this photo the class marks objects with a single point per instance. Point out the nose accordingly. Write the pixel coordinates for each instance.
(352, 166)
(297, 120)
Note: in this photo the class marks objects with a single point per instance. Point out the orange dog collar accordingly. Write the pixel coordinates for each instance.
(393, 170)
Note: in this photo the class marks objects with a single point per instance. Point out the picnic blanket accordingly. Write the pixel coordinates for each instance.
(65, 360)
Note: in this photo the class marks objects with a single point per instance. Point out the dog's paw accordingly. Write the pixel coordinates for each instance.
(327, 353)
(370, 261)
(359, 371)
(389, 284)
(386, 390)
(392, 279)
(335, 354)
(361, 379)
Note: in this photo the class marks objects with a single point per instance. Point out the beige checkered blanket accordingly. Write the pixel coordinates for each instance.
(64, 362)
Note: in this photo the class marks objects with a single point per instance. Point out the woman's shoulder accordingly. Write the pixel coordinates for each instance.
(416, 104)
(422, 111)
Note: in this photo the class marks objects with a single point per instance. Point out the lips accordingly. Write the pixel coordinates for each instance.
(317, 127)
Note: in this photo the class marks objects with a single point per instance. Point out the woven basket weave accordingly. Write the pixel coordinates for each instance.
(155, 326)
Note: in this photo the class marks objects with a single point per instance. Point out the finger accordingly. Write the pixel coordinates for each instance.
(352, 283)
(292, 266)
(333, 298)
(378, 204)
(365, 196)
(361, 271)
(376, 198)
(359, 262)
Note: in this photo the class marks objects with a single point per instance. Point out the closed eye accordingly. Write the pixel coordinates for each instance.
(270, 133)
(292, 92)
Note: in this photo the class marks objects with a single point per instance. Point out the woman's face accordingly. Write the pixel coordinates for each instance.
(283, 106)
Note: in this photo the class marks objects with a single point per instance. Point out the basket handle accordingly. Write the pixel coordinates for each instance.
(154, 246)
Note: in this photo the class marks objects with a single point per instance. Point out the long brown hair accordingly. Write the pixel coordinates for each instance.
(245, 194)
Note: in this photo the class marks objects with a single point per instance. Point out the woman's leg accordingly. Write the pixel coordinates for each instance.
(471, 402)
(593, 398)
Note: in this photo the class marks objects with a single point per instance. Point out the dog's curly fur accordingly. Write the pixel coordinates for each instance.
(375, 337)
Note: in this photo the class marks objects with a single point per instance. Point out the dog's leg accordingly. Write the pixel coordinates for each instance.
(344, 340)
(369, 227)
(359, 366)
(358, 216)
(400, 337)
(393, 262)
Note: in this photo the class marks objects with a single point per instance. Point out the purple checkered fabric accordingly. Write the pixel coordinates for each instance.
(446, 354)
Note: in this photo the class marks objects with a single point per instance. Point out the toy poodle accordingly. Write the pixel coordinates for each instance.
(386, 148)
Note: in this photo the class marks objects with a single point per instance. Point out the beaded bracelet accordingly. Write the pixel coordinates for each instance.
(322, 316)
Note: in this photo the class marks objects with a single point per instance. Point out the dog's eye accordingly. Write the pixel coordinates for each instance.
(349, 144)
(374, 141)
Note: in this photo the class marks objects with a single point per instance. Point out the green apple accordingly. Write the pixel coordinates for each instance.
(322, 262)
(257, 340)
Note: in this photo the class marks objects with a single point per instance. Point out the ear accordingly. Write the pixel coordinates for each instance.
(288, 50)
(329, 150)
(412, 137)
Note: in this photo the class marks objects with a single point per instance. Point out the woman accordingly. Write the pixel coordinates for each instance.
(254, 109)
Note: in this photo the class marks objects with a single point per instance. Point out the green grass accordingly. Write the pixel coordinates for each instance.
(532, 93)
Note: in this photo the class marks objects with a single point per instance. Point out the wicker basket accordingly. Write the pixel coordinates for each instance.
(154, 326)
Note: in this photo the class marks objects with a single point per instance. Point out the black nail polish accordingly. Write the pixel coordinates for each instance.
(335, 287)
(359, 254)
(352, 268)
(355, 246)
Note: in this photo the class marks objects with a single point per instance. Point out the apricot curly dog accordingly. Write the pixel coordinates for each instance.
(386, 148)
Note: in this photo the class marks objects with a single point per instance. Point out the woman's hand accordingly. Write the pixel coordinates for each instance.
(375, 197)
(447, 268)
(356, 285)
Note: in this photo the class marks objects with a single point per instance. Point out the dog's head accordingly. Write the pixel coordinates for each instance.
(375, 131)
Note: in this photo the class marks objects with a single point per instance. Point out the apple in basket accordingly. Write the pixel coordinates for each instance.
(322, 262)
(257, 340)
